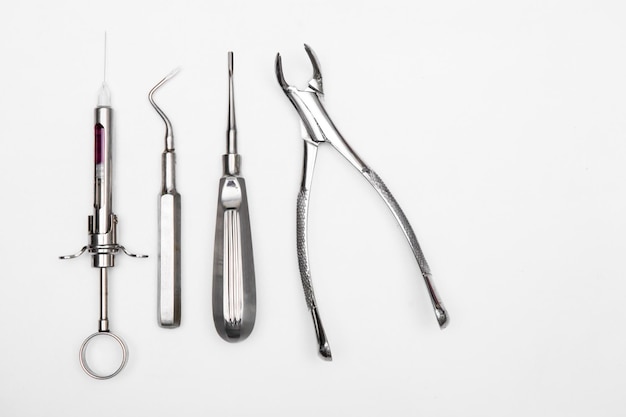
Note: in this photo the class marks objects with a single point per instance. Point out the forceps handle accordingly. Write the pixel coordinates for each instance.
(302, 215)
(381, 188)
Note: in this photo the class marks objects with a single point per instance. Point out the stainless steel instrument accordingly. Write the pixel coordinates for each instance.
(169, 226)
(317, 128)
(234, 290)
(102, 226)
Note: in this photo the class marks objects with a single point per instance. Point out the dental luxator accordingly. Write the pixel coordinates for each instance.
(102, 226)
(234, 290)
(317, 128)
(169, 272)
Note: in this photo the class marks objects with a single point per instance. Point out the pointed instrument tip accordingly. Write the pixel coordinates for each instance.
(172, 74)
(165, 79)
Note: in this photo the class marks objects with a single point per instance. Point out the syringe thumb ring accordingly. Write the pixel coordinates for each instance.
(83, 356)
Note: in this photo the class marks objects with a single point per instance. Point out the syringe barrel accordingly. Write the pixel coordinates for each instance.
(103, 140)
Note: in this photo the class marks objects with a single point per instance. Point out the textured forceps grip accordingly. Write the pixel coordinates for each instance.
(305, 273)
(303, 253)
(395, 208)
(302, 211)
(381, 188)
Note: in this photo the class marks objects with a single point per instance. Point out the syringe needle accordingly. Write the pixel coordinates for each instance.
(104, 96)
(104, 76)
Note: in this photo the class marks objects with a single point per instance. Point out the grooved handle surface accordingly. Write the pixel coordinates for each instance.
(233, 268)
(234, 286)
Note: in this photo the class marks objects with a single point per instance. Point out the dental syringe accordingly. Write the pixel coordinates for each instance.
(102, 224)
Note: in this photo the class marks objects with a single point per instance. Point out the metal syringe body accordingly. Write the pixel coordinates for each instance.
(102, 226)
(103, 223)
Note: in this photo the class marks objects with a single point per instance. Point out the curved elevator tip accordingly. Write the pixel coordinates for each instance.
(169, 131)
(165, 79)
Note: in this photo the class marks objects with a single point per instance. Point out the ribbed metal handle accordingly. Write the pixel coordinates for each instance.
(234, 291)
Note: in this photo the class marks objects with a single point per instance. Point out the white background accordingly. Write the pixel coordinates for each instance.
(500, 128)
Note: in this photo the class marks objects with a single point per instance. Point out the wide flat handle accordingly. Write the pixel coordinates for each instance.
(169, 274)
(234, 287)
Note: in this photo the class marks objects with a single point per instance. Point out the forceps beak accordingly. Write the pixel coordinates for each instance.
(278, 67)
(315, 83)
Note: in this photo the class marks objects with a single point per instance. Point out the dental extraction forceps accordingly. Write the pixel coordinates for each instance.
(169, 226)
(317, 128)
(102, 224)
